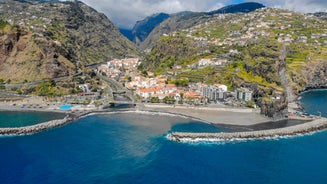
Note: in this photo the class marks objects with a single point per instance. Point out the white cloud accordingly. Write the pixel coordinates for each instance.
(305, 6)
(124, 13)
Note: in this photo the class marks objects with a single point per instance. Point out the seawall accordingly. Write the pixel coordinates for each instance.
(36, 128)
(315, 125)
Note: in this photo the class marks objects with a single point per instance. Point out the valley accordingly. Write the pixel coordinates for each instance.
(243, 55)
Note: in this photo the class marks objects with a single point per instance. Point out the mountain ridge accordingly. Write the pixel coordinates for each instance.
(139, 34)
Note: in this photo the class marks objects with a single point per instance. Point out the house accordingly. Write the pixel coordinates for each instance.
(221, 87)
(149, 92)
(86, 88)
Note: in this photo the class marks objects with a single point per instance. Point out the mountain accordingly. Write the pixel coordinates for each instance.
(143, 28)
(53, 39)
(188, 19)
(127, 33)
(275, 53)
(238, 8)
(149, 29)
(321, 15)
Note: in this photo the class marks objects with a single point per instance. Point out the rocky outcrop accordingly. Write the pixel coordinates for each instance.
(7, 43)
(315, 75)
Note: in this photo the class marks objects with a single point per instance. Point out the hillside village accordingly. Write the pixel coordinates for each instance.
(269, 22)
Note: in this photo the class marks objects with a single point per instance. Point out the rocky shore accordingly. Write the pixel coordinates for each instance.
(36, 128)
(301, 129)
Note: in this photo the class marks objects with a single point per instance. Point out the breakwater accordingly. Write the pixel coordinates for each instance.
(36, 128)
(301, 129)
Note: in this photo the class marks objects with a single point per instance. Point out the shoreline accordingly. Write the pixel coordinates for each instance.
(221, 116)
(213, 115)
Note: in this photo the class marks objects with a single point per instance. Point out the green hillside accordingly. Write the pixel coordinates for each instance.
(54, 39)
(267, 50)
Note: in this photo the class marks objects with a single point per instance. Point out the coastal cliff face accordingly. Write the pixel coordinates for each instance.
(311, 76)
(42, 39)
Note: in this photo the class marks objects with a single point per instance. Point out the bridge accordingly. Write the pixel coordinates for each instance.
(117, 92)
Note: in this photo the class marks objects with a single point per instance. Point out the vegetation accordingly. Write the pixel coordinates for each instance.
(250, 104)
(170, 51)
(257, 48)
(57, 39)
(169, 100)
(154, 100)
(179, 82)
(47, 88)
(3, 24)
(257, 60)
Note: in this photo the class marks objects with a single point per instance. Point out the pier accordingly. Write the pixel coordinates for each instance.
(36, 128)
(312, 126)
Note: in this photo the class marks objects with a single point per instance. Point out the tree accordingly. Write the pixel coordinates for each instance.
(250, 104)
(154, 100)
(46, 88)
(98, 103)
(169, 100)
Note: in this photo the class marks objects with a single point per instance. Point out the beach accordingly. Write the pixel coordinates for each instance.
(239, 119)
(215, 115)
(219, 114)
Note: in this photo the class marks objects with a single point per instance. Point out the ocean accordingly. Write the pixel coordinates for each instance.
(133, 148)
(19, 119)
(315, 102)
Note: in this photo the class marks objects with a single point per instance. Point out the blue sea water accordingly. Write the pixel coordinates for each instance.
(315, 102)
(19, 119)
(132, 148)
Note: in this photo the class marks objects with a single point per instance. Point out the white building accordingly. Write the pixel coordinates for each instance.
(244, 94)
(215, 92)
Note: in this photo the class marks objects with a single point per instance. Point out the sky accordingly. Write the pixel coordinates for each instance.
(125, 13)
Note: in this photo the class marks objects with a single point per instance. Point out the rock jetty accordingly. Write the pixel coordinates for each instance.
(36, 128)
(301, 129)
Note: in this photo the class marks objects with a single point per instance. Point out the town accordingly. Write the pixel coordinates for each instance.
(158, 89)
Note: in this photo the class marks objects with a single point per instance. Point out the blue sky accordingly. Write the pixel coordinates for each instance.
(124, 13)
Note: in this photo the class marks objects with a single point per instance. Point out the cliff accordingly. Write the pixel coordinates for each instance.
(24, 57)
